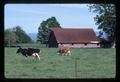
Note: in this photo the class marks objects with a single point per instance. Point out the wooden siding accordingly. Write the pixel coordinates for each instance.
(52, 41)
(80, 45)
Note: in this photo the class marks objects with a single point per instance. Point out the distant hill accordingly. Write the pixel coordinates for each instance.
(33, 36)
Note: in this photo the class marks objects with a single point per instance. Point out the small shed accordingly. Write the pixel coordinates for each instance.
(74, 38)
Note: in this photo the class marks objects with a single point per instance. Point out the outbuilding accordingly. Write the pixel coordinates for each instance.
(74, 38)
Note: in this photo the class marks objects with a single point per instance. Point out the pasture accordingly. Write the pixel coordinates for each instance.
(91, 63)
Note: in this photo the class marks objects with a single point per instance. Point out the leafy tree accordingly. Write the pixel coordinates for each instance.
(22, 36)
(16, 35)
(43, 30)
(105, 19)
(10, 37)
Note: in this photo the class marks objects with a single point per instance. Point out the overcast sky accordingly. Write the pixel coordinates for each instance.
(29, 16)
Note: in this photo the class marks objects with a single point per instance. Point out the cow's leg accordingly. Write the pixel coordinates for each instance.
(65, 54)
(25, 55)
(25, 58)
(33, 55)
(58, 53)
(69, 52)
(61, 54)
(37, 56)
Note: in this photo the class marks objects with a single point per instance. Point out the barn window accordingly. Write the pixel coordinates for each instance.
(97, 44)
(85, 44)
(72, 44)
(61, 43)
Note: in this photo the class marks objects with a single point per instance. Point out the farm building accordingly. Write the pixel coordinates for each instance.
(74, 38)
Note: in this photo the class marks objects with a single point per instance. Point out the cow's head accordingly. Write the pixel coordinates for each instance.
(19, 50)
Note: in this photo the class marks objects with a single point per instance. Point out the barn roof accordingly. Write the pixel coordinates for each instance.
(74, 35)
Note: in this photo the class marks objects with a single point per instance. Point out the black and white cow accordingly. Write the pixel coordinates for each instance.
(29, 52)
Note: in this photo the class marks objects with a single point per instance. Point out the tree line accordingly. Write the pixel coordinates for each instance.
(16, 35)
(105, 19)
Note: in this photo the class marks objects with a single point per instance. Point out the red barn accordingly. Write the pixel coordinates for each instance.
(74, 38)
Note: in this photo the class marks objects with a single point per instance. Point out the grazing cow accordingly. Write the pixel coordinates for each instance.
(29, 52)
(64, 51)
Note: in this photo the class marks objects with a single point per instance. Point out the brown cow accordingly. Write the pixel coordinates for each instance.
(64, 51)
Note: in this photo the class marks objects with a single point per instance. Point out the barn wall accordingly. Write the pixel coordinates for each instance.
(80, 45)
(91, 46)
(52, 41)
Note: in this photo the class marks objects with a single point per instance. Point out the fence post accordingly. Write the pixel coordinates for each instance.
(76, 66)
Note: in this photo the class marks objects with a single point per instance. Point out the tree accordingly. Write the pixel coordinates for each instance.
(105, 19)
(16, 35)
(43, 29)
(10, 37)
(22, 36)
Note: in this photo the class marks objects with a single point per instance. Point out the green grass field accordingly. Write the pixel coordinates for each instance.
(91, 63)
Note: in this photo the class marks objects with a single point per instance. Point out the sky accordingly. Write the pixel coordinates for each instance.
(29, 16)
